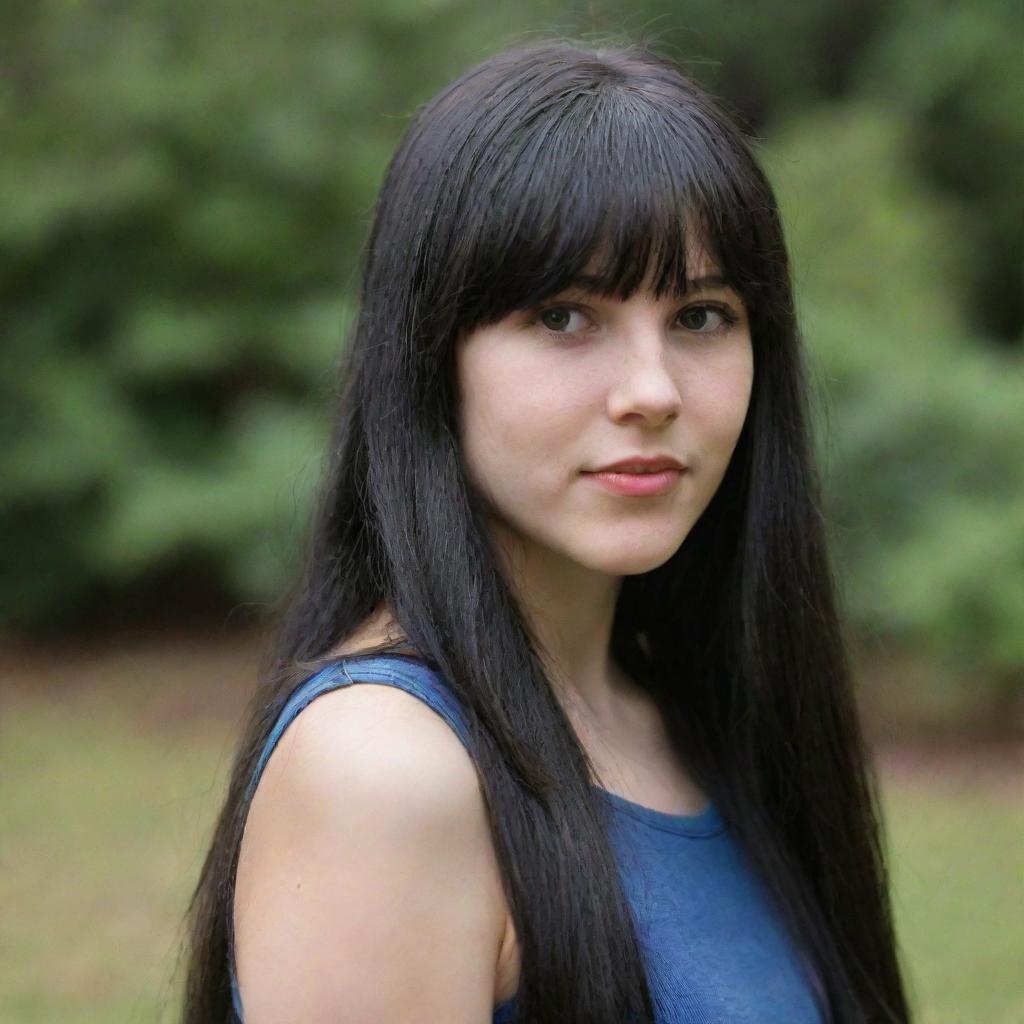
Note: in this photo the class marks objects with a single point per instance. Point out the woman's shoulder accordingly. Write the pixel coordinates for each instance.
(381, 739)
(379, 652)
(369, 782)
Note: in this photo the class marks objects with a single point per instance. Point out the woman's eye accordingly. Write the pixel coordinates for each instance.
(700, 319)
(697, 318)
(559, 319)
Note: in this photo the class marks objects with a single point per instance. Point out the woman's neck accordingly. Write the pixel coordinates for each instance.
(570, 610)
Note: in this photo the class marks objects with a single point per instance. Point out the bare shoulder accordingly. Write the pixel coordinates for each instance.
(367, 885)
(373, 740)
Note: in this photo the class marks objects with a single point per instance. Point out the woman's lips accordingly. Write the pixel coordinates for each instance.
(637, 484)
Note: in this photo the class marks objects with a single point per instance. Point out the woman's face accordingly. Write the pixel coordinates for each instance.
(550, 395)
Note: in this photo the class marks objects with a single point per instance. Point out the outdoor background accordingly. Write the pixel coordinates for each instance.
(184, 191)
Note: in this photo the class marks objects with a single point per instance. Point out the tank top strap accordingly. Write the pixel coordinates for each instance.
(405, 673)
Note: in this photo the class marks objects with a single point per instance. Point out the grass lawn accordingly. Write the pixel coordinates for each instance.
(107, 805)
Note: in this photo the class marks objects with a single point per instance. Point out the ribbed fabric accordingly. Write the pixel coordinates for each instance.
(715, 950)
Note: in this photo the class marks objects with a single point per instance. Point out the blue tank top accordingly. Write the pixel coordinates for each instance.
(714, 948)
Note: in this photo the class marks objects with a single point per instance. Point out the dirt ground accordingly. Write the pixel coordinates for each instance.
(174, 682)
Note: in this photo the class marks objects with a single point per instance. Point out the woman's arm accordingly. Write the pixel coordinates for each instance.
(367, 886)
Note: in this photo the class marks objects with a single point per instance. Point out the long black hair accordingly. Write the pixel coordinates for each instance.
(508, 184)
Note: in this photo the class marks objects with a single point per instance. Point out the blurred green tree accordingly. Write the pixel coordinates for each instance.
(921, 430)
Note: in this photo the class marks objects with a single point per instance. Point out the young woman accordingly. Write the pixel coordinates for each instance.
(559, 725)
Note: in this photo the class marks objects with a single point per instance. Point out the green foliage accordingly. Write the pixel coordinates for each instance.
(921, 426)
(953, 72)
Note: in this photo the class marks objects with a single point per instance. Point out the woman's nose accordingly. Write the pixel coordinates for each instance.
(644, 386)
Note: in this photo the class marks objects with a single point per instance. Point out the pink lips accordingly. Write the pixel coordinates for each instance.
(660, 473)
(637, 484)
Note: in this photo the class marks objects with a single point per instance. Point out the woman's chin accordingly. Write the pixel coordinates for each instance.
(630, 561)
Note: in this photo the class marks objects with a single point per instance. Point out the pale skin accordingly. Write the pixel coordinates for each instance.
(545, 395)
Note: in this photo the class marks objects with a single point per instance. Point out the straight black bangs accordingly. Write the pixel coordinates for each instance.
(611, 187)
